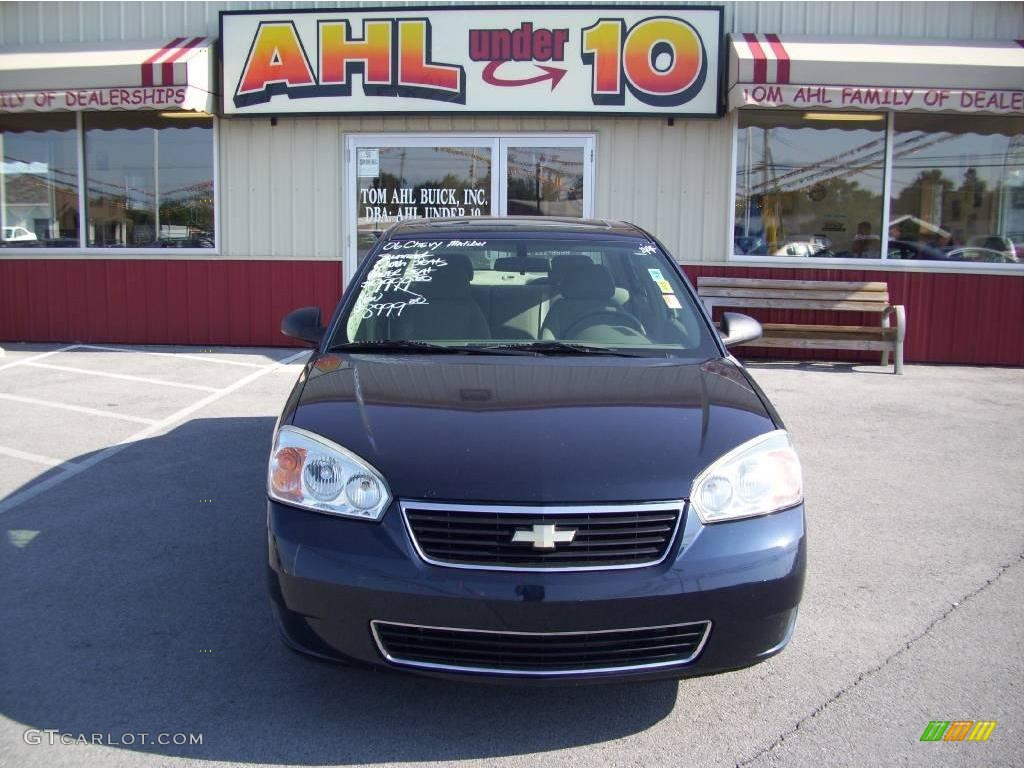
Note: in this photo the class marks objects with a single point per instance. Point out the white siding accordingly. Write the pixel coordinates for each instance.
(93, 22)
(97, 21)
(938, 20)
(281, 187)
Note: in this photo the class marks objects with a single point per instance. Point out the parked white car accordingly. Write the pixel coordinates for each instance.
(998, 248)
(804, 245)
(18, 234)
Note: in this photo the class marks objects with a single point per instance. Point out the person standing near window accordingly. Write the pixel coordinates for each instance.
(865, 245)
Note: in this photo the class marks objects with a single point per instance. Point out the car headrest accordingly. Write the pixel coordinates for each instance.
(588, 281)
(457, 262)
(561, 265)
(450, 281)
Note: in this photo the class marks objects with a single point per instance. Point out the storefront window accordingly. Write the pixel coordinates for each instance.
(38, 181)
(394, 183)
(809, 184)
(149, 180)
(545, 181)
(393, 178)
(957, 188)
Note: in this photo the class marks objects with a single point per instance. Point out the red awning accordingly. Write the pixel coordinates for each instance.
(166, 74)
(877, 74)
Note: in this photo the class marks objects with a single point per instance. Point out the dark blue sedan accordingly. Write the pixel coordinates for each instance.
(521, 450)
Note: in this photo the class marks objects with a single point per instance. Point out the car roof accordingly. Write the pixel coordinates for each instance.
(513, 225)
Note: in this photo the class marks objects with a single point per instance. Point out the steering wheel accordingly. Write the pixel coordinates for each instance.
(618, 317)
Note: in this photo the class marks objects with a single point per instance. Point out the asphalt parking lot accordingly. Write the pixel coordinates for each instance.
(132, 595)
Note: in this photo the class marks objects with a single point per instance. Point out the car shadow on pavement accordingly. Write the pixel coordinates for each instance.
(818, 366)
(134, 601)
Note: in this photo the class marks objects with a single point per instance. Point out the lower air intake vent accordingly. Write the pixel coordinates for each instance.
(536, 653)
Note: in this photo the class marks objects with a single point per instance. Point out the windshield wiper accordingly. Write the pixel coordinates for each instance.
(420, 347)
(529, 348)
(558, 348)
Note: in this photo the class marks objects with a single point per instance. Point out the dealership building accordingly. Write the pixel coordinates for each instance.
(186, 172)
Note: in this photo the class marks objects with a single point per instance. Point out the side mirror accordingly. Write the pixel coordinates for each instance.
(739, 329)
(303, 324)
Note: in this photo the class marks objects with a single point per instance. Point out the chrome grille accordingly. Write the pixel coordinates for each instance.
(539, 653)
(522, 538)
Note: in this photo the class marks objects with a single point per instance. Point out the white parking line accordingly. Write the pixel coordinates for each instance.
(176, 355)
(27, 360)
(123, 376)
(75, 408)
(34, 457)
(34, 490)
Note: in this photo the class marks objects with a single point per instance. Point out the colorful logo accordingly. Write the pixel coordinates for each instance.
(393, 56)
(661, 60)
(958, 730)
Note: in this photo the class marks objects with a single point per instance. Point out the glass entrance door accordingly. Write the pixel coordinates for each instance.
(396, 177)
(541, 177)
(398, 180)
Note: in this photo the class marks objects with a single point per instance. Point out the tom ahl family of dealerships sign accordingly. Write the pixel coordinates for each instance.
(579, 59)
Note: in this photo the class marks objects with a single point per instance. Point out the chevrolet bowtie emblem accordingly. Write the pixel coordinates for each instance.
(543, 536)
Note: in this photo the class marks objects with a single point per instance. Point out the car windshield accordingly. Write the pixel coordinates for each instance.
(539, 294)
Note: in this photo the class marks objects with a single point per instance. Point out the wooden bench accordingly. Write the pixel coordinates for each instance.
(739, 293)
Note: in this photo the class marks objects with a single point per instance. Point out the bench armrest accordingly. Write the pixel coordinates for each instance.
(901, 332)
(900, 314)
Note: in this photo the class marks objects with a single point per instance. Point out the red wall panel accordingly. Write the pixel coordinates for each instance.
(951, 318)
(200, 302)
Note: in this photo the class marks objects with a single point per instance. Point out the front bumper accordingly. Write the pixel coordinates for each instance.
(331, 577)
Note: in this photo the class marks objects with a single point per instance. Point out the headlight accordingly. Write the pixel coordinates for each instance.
(760, 477)
(311, 472)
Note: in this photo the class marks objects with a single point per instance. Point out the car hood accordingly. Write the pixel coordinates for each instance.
(530, 429)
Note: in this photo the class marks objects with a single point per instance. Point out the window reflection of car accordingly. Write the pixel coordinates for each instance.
(493, 468)
(18, 234)
(1017, 238)
(60, 242)
(750, 245)
(201, 241)
(805, 246)
(979, 254)
(912, 249)
(196, 241)
(989, 245)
